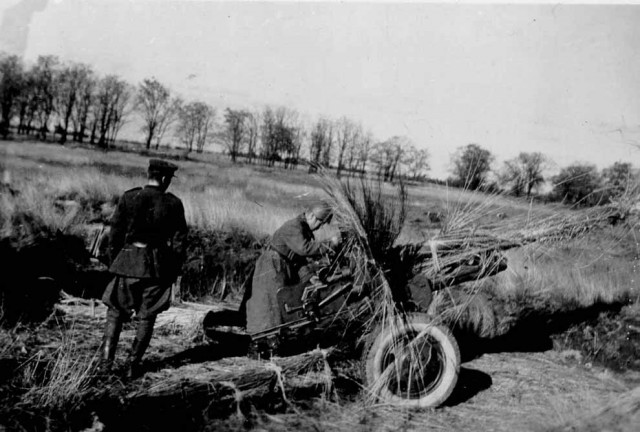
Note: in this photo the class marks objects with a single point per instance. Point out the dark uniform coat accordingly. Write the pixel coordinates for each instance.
(147, 249)
(279, 265)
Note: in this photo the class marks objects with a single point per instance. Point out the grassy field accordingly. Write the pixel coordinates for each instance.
(215, 196)
(71, 188)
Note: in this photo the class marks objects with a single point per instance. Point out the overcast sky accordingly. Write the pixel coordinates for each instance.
(561, 79)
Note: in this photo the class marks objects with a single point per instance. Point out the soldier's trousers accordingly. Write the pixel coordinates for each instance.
(146, 297)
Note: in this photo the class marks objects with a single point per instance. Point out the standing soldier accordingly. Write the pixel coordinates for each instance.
(146, 249)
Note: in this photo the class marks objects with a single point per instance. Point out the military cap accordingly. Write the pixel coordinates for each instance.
(162, 167)
(322, 211)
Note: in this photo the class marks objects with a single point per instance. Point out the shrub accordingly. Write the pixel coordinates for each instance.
(578, 184)
(37, 263)
(219, 263)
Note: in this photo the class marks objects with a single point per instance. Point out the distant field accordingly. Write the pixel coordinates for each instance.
(215, 195)
(219, 194)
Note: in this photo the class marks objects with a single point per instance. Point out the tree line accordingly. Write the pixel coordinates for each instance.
(66, 99)
(579, 184)
(69, 100)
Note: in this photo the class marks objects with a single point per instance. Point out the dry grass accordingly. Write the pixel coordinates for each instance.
(572, 250)
(370, 222)
(528, 392)
(576, 271)
(463, 237)
(620, 414)
(224, 209)
(568, 267)
(62, 379)
(234, 197)
(58, 200)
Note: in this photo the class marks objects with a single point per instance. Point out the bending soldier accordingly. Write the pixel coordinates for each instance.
(281, 263)
(147, 249)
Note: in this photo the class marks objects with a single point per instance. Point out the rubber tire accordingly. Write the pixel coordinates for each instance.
(381, 341)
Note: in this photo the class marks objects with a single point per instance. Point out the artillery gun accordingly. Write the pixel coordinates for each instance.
(413, 361)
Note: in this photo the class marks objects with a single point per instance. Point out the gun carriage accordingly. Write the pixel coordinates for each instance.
(413, 361)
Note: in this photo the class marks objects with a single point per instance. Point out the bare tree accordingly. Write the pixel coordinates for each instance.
(388, 156)
(11, 85)
(27, 102)
(206, 122)
(353, 149)
(290, 136)
(194, 125)
(235, 131)
(84, 103)
(277, 133)
(70, 82)
(345, 133)
(321, 138)
(109, 109)
(298, 138)
(119, 110)
(524, 173)
(253, 132)
(400, 146)
(157, 107)
(382, 158)
(267, 131)
(364, 145)
(44, 73)
(417, 161)
(169, 117)
(188, 125)
(327, 150)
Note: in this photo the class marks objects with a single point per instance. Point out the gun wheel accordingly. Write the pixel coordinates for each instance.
(414, 363)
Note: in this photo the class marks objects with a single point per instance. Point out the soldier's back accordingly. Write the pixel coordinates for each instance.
(154, 214)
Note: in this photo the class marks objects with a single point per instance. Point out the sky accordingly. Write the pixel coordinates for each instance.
(561, 79)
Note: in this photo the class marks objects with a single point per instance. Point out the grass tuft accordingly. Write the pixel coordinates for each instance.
(60, 382)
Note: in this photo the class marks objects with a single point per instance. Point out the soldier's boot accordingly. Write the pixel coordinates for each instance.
(112, 330)
(144, 331)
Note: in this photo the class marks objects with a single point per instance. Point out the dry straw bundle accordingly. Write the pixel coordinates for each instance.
(232, 381)
(371, 219)
(461, 241)
(370, 222)
(462, 251)
(399, 352)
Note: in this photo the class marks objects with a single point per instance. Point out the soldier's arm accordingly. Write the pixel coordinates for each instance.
(302, 245)
(118, 229)
(180, 236)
